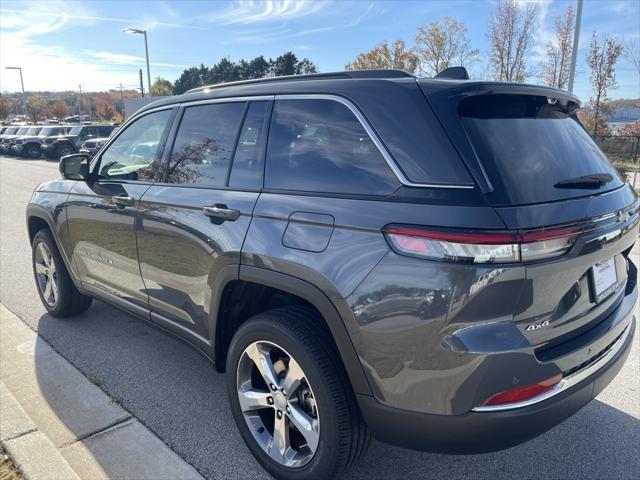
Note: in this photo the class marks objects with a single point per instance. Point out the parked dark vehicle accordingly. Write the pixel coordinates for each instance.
(93, 146)
(30, 144)
(72, 141)
(442, 264)
(9, 138)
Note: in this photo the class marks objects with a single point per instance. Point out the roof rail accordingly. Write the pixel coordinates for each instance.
(453, 73)
(311, 76)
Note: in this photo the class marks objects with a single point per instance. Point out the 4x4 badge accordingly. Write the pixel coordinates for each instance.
(536, 326)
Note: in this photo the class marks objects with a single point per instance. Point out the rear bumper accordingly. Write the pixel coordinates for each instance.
(478, 432)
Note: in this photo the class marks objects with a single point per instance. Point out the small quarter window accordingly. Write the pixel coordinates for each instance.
(318, 145)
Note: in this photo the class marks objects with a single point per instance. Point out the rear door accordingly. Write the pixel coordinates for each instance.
(547, 178)
(193, 224)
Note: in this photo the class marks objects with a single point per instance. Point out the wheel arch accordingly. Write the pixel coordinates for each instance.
(39, 218)
(305, 293)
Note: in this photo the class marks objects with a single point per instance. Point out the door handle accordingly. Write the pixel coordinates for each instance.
(221, 212)
(123, 200)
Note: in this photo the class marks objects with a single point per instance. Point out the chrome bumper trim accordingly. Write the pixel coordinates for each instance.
(566, 382)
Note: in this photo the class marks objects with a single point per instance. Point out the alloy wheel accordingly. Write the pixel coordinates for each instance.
(278, 404)
(46, 274)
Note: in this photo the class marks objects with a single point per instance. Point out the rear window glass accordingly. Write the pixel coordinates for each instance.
(528, 144)
(320, 146)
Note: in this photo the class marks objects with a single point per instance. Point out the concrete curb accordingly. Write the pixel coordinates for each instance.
(56, 424)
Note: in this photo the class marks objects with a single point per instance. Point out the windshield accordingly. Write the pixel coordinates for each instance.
(34, 130)
(11, 131)
(22, 131)
(528, 144)
(50, 131)
(75, 131)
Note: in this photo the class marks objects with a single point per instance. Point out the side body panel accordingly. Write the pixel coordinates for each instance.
(102, 238)
(183, 252)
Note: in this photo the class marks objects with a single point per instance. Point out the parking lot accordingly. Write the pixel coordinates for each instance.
(175, 392)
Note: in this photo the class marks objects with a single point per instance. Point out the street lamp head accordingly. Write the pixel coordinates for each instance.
(134, 30)
(13, 68)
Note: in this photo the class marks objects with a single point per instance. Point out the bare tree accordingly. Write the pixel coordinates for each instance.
(385, 56)
(601, 59)
(510, 33)
(631, 53)
(440, 45)
(555, 68)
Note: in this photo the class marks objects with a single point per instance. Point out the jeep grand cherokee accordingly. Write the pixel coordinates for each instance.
(440, 263)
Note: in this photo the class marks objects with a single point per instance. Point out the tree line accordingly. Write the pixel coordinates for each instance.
(443, 44)
(229, 71)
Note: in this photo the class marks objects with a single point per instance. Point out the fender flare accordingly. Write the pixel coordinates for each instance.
(36, 211)
(325, 306)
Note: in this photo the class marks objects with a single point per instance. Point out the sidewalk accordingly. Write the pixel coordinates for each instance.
(57, 425)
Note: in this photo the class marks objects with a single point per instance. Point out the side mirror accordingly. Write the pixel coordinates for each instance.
(75, 167)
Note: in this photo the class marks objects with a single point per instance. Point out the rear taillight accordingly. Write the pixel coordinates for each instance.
(480, 246)
(522, 394)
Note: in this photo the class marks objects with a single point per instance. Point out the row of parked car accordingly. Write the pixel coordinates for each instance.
(54, 141)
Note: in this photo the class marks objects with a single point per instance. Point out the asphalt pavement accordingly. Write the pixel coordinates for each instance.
(177, 394)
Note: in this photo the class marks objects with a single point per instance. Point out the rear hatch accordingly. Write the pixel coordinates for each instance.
(545, 177)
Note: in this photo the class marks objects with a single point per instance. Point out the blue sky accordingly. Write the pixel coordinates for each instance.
(63, 44)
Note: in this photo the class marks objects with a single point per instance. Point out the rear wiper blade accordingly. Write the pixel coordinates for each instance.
(595, 180)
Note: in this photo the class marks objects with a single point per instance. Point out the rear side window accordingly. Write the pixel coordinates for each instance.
(204, 144)
(528, 144)
(318, 145)
(247, 161)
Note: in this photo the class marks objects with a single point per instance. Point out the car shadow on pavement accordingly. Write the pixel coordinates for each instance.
(176, 393)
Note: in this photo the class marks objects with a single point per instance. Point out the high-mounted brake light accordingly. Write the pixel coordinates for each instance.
(522, 394)
(480, 247)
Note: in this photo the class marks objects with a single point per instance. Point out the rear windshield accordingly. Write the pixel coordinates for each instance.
(528, 144)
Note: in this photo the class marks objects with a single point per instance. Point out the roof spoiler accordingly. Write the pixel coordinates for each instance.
(453, 73)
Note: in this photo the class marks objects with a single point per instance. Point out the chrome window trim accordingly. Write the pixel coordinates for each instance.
(390, 161)
(399, 174)
(566, 382)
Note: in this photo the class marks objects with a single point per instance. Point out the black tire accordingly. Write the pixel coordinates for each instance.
(343, 434)
(69, 300)
(32, 151)
(63, 150)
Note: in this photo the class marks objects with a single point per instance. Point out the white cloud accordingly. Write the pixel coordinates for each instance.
(48, 67)
(256, 11)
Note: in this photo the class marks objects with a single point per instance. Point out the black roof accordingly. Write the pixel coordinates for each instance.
(348, 83)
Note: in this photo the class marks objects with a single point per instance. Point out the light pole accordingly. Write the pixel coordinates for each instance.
(574, 48)
(24, 102)
(146, 51)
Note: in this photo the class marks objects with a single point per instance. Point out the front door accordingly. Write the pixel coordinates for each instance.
(192, 226)
(102, 212)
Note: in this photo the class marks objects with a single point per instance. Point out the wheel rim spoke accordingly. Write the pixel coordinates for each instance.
(251, 399)
(41, 269)
(47, 290)
(293, 378)
(44, 254)
(261, 359)
(54, 288)
(280, 442)
(306, 425)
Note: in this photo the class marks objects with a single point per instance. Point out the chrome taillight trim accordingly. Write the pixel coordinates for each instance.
(566, 382)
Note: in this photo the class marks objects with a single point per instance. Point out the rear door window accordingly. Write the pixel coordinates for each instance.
(318, 145)
(204, 144)
(528, 145)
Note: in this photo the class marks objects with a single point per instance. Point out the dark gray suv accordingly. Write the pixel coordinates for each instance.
(440, 263)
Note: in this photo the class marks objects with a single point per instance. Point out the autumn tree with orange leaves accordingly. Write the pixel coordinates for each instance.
(385, 56)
